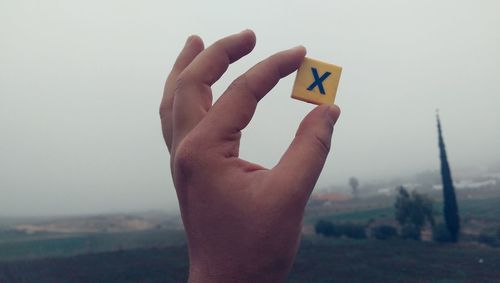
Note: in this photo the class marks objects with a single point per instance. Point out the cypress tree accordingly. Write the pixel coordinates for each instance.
(450, 209)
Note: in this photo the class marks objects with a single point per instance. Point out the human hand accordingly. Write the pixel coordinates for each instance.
(243, 221)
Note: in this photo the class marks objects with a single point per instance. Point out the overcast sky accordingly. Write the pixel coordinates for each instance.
(81, 81)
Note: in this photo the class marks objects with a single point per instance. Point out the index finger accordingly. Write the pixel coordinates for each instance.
(235, 108)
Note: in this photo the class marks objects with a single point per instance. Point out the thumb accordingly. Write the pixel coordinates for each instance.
(302, 163)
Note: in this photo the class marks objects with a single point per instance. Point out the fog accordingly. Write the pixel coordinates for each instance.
(81, 82)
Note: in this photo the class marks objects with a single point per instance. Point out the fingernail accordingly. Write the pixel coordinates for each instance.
(333, 113)
(189, 39)
(298, 47)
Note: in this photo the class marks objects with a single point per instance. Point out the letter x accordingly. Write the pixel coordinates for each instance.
(318, 81)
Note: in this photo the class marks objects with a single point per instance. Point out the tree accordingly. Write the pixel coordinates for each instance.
(450, 209)
(413, 210)
(354, 183)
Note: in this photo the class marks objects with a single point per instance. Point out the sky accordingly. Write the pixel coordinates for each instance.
(81, 82)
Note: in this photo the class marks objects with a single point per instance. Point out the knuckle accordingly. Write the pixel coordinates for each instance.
(186, 157)
(321, 143)
(238, 83)
(316, 143)
(163, 111)
(241, 84)
(180, 83)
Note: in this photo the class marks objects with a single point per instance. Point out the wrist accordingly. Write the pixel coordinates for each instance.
(230, 274)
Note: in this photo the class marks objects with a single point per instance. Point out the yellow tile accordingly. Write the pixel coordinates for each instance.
(316, 82)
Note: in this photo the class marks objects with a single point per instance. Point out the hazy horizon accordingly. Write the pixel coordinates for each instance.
(81, 82)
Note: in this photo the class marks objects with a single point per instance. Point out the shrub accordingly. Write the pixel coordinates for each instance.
(327, 229)
(441, 234)
(323, 228)
(384, 232)
(350, 230)
(487, 239)
(354, 231)
(411, 232)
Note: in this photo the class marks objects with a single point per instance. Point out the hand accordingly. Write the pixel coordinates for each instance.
(243, 221)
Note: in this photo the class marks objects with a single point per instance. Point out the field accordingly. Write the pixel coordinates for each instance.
(54, 245)
(319, 260)
(393, 261)
(482, 209)
(160, 254)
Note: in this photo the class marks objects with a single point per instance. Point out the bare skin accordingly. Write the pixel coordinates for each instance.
(243, 221)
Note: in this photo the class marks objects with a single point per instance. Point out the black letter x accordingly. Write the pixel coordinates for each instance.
(318, 81)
